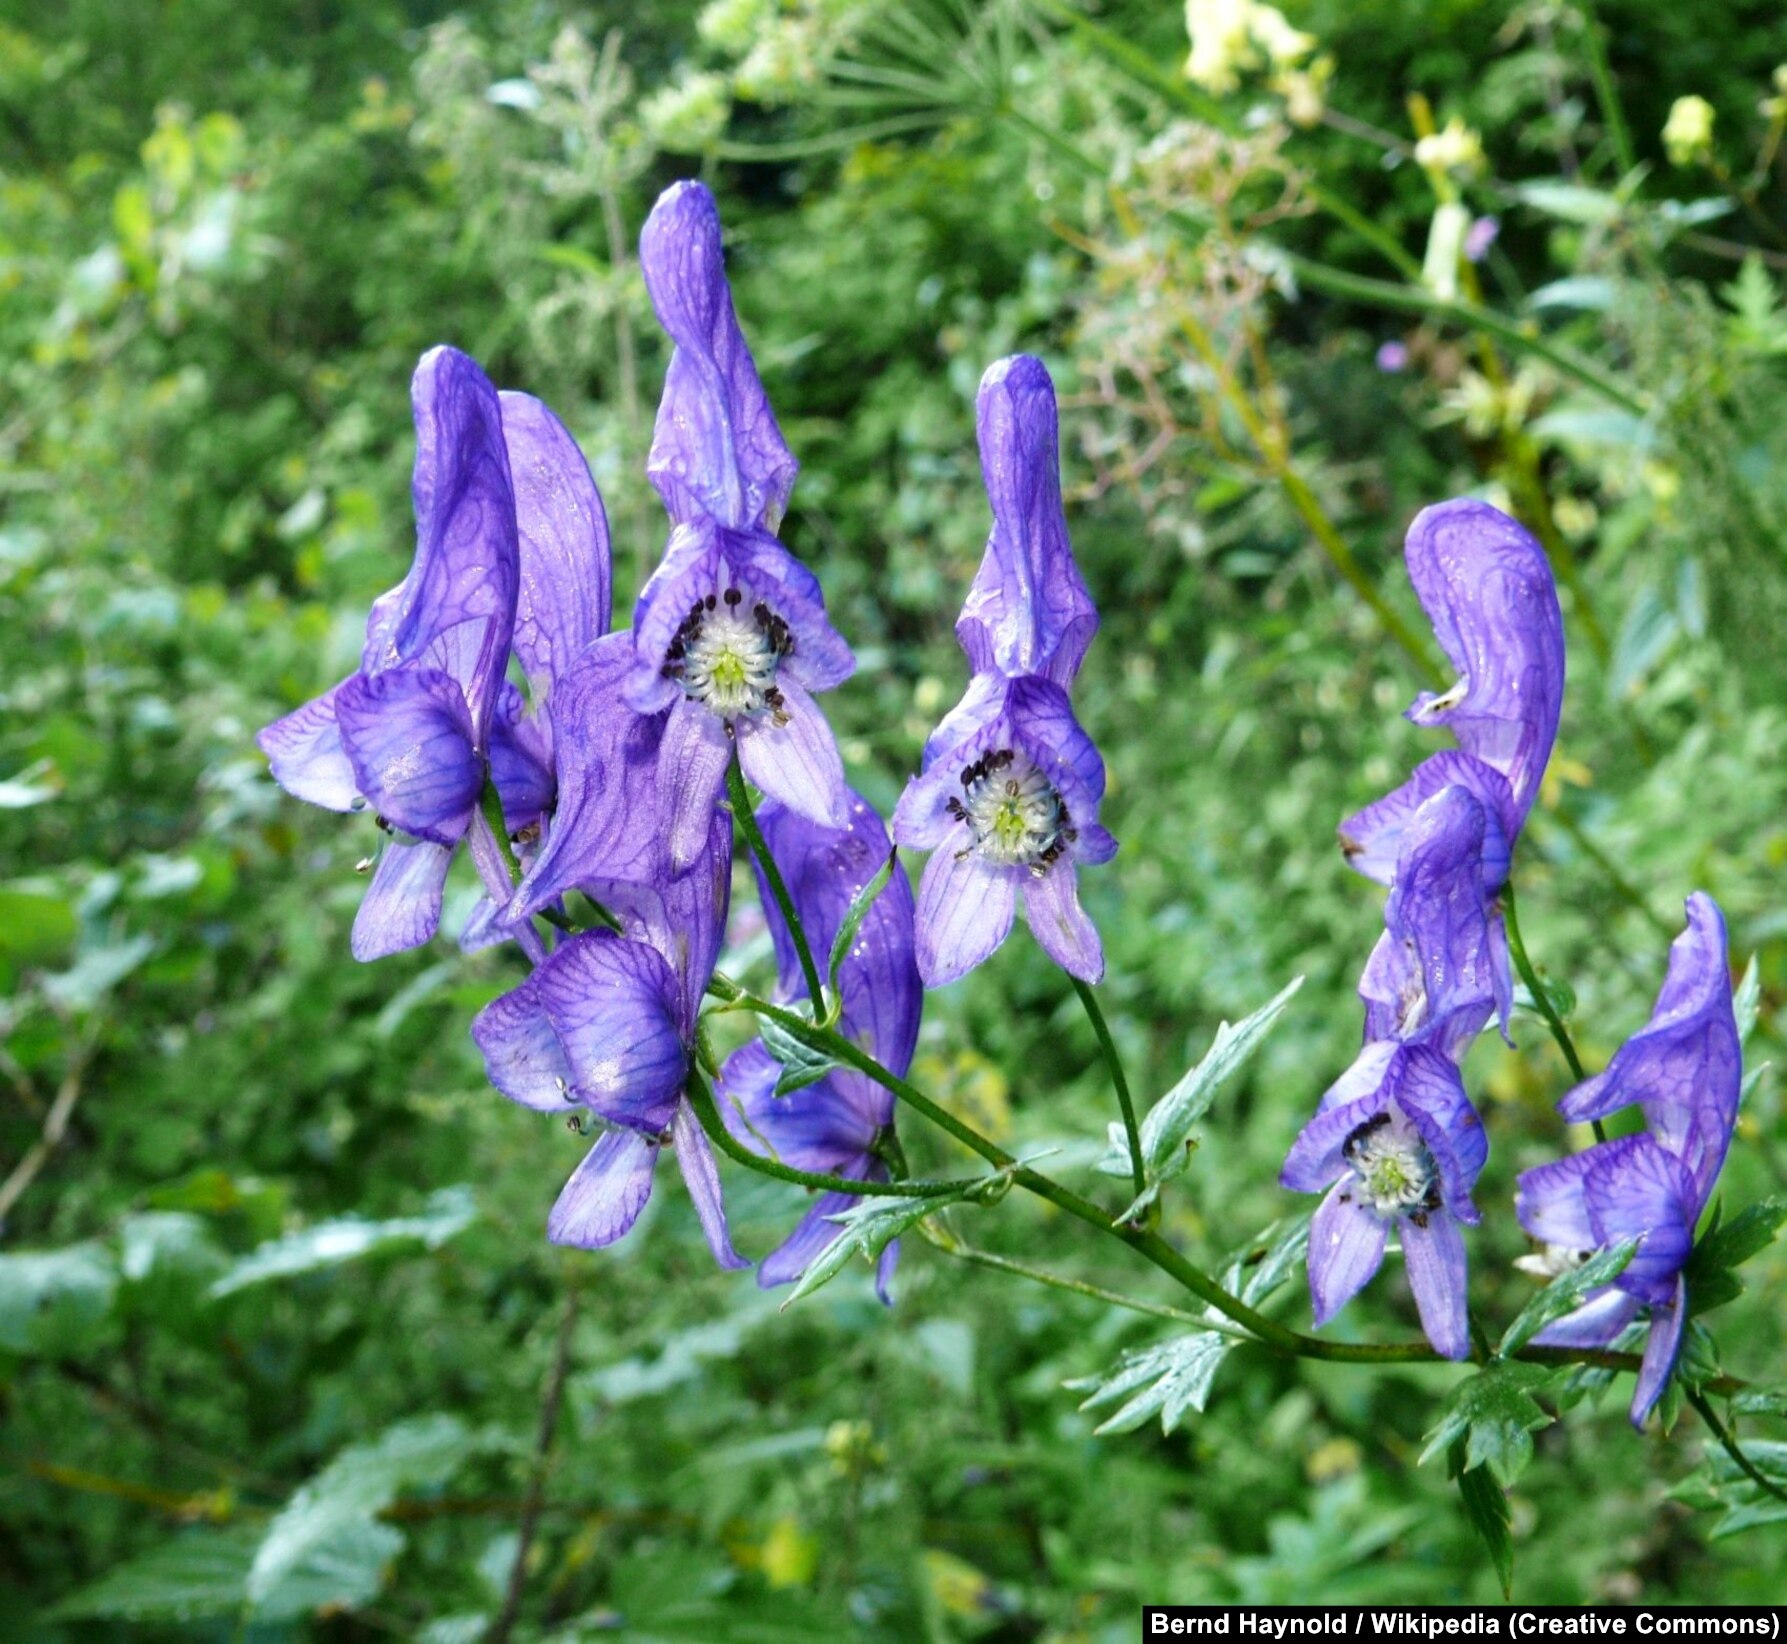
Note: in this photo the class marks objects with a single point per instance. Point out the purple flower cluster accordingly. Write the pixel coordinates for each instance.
(1396, 1142)
(1007, 798)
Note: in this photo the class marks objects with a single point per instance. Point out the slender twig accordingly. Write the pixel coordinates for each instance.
(55, 1127)
(1119, 1083)
(1728, 1442)
(1542, 998)
(504, 1625)
(740, 796)
(1602, 76)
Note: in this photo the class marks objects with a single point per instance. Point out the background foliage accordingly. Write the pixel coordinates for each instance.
(276, 1308)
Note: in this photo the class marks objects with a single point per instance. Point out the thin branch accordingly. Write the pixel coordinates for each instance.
(55, 1127)
(1119, 1083)
(740, 796)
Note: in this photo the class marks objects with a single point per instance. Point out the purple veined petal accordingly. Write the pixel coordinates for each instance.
(613, 1004)
(682, 916)
(1685, 1067)
(1346, 1248)
(521, 763)
(884, 1272)
(1043, 722)
(813, 1235)
(1429, 1089)
(402, 906)
(307, 757)
(1371, 839)
(1551, 1201)
(466, 568)
(1433, 1252)
(410, 739)
(702, 1175)
(981, 704)
(809, 1129)
(485, 927)
(1060, 924)
(1487, 588)
(1317, 1157)
(716, 449)
(1366, 1076)
(965, 910)
(603, 1198)
(922, 819)
(522, 1054)
(796, 761)
(1597, 1323)
(1095, 846)
(692, 772)
(1028, 611)
(563, 601)
(1635, 1189)
(1661, 1350)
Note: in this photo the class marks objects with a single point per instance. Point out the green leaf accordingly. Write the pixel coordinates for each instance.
(1746, 1001)
(1568, 202)
(1167, 1127)
(449, 1211)
(197, 1574)
(1486, 1506)
(1733, 1243)
(1762, 1401)
(95, 973)
(868, 1229)
(55, 1302)
(1588, 293)
(1720, 1483)
(1494, 1415)
(1564, 1294)
(801, 1063)
(853, 918)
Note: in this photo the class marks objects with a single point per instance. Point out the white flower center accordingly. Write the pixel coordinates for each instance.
(1014, 816)
(726, 657)
(1411, 997)
(1551, 1261)
(1395, 1174)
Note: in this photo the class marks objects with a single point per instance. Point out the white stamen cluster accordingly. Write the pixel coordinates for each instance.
(1552, 1261)
(1014, 816)
(1394, 1174)
(726, 657)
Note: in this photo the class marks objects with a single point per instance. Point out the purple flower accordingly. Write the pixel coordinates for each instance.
(1488, 591)
(409, 732)
(1396, 1143)
(1007, 804)
(835, 1125)
(1028, 611)
(1393, 357)
(1479, 237)
(730, 633)
(1685, 1073)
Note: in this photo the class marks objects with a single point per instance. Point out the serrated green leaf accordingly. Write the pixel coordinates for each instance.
(800, 1063)
(1486, 1506)
(1564, 1294)
(1167, 1127)
(1746, 1001)
(447, 1213)
(854, 916)
(1494, 1414)
(55, 1302)
(1762, 1401)
(1733, 1243)
(197, 1574)
(868, 1229)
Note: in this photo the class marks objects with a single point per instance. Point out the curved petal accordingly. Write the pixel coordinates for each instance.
(965, 910)
(1430, 1090)
(1317, 1157)
(522, 1054)
(520, 760)
(402, 906)
(1661, 1350)
(1635, 1189)
(692, 761)
(1346, 1248)
(1434, 1255)
(603, 1198)
(1043, 723)
(813, 1234)
(1059, 923)
(1551, 1202)
(716, 448)
(563, 601)
(410, 739)
(702, 1176)
(307, 757)
(1371, 839)
(794, 759)
(1597, 1323)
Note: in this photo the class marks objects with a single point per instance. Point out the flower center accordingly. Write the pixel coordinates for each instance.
(1014, 816)
(726, 657)
(1396, 1174)
(1552, 1261)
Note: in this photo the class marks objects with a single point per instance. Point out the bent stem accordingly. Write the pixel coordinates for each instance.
(1728, 1442)
(1541, 998)
(739, 794)
(1119, 1083)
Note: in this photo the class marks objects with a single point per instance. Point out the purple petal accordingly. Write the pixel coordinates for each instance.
(1367, 1074)
(402, 906)
(521, 763)
(613, 1004)
(1660, 1353)
(884, 1272)
(1429, 1089)
(1371, 839)
(1597, 1323)
(702, 1175)
(811, 1237)
(692, 770)
(1551, 1202)
(1346, 1248)
(410, 739)
(796, 762)
(981, 704)
(814, 1128)
(965, 910)
(1634, 1189)
(457, 605)
(1487, 589)
(563, 602)
(603, 1198)
(716, 449)
(1434, 1256)
(1317, 1158)
(522, 1054)
(1043, 723)
(1059, 923)
(307, 757)
(1028, 611)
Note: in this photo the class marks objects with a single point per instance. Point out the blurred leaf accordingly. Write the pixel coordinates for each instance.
(1587, 292)
(1568, 202)
(1746, 1000)
(1564, 1294)
(96, 972)
(54, 1302)
(22, 791)
(35, 925)
(1486, 1506)
(868, 1229)
(199, 1573)
(1494, 1415)
(854, 916)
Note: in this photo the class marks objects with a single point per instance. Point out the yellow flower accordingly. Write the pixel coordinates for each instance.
(1688, 133)
(1457, 148)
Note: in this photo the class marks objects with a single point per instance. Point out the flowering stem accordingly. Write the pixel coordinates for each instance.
(1541, 998)
(1728, 1442)
(740, 796)
(1119, 1083)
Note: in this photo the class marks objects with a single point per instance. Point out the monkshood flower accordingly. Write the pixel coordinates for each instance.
(835, 1125)
(408, 733)
(1487, 589)
(1685, 1073)
(730, 633)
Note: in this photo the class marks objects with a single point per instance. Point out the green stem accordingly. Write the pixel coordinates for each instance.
(701, 1099)
(1623, 887)
(1119, 1083)
(1542, 999)
(491, 803)
(740, 796)
(1729, 1443)
(1605, 95)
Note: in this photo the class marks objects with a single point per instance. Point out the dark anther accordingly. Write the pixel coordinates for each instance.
(1357, 1138)
(733, 596)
